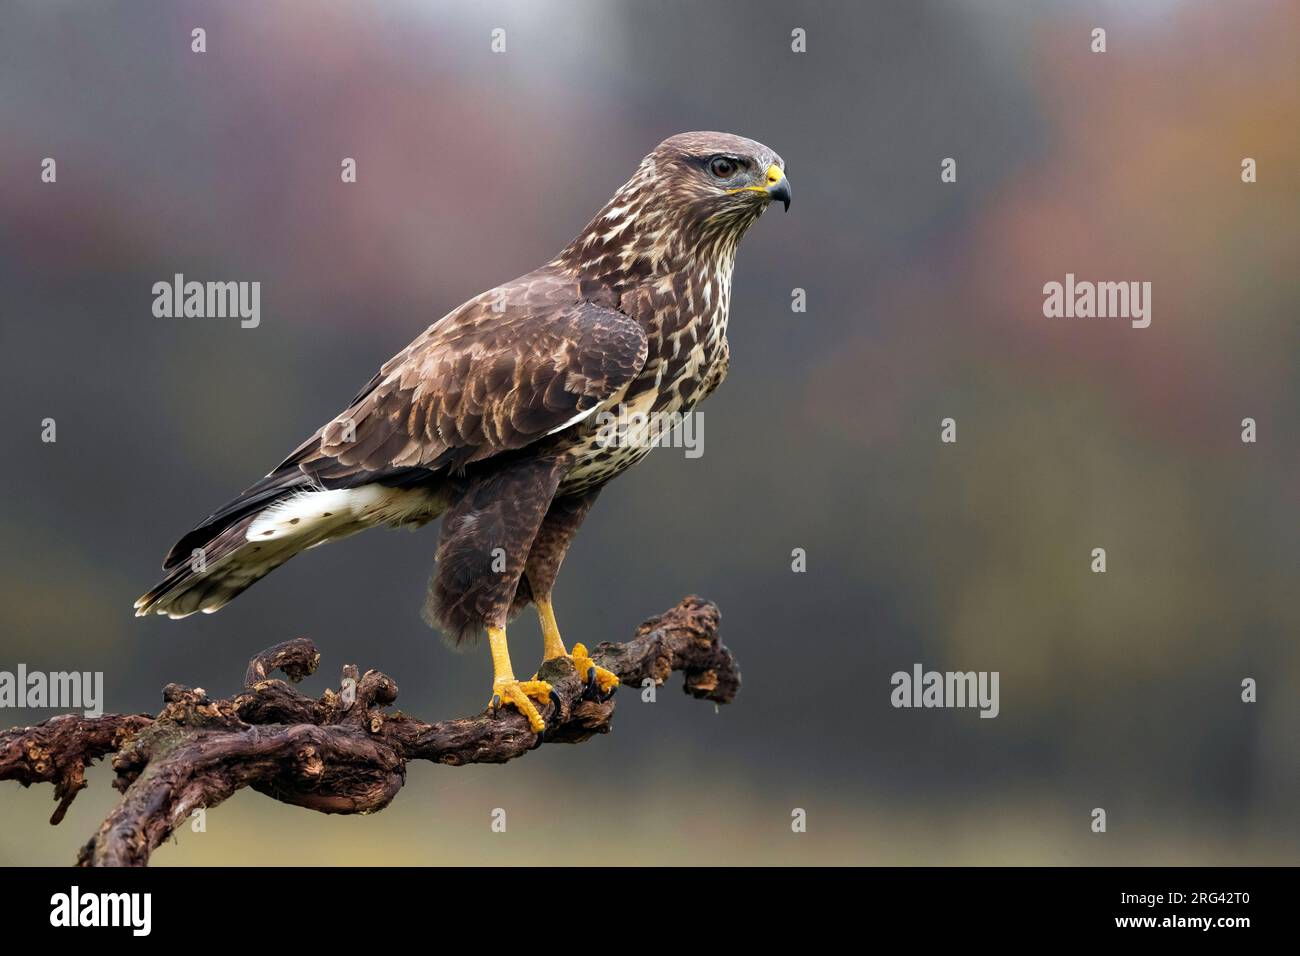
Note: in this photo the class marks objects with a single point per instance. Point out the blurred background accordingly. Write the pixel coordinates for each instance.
(924, 301)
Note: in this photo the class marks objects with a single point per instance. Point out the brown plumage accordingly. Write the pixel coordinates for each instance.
(489, 417)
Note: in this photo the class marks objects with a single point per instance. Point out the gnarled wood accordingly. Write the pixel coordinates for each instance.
(340, 753)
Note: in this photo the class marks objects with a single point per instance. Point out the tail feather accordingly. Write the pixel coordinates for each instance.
(221, 569)
(265, 527)
(276, 486)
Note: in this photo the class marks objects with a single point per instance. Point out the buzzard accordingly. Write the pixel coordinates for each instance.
(489, 419)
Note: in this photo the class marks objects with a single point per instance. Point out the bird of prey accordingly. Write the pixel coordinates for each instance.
(489, 419)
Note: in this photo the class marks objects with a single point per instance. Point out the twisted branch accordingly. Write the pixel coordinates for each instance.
(340, 753)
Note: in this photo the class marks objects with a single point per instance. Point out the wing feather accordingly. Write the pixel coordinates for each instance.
(487, 379)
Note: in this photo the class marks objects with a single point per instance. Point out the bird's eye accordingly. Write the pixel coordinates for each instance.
(722, 167)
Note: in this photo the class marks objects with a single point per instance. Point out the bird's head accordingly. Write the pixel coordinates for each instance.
(694, 195)
(718, 175)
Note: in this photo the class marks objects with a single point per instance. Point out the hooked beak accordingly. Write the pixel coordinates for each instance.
(776, 186)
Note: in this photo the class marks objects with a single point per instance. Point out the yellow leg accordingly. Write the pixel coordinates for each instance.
(553, 647)
(507, 690)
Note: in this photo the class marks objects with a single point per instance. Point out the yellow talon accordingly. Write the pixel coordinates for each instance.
(606, 680)
(553, 647)
(506, 690)
(520, 695)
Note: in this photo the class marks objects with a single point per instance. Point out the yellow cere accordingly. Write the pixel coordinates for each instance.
(774, 176)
